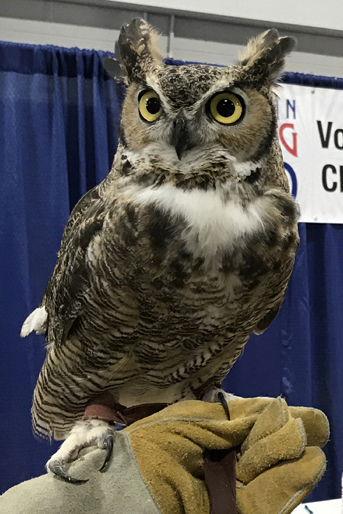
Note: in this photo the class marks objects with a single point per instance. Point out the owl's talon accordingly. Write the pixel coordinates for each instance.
(215, 395)
(59, 469)
(108, 446)
(222, 400)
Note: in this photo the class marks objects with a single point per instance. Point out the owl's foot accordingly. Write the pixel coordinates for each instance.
(91, 432)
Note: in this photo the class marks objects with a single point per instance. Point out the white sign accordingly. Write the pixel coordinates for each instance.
(311, 137)
(324, 507)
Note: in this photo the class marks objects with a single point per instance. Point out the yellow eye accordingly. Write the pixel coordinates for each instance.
(226, 108)
(149, 106)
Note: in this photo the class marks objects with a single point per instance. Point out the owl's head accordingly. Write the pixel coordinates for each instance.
(199, 120)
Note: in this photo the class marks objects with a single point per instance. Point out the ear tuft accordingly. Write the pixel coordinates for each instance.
(113, 68)
(265, 55)
(137, 48)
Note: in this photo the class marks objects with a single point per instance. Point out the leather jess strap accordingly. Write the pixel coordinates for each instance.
(219, 465)
(106, 408)
(220, 480)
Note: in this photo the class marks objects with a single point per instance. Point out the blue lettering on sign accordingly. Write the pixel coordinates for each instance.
(290, 106)
(286, 109)
(293, 177)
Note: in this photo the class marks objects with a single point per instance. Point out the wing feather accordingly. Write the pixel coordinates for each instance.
(70, 278)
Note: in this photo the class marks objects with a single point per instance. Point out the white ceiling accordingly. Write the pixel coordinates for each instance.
(326, 14)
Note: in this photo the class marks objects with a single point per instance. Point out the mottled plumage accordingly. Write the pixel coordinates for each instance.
(185, 249)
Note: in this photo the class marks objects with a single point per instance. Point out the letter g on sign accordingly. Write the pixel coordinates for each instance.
(293, 150)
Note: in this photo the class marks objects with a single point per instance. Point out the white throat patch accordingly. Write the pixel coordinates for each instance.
(212, 221)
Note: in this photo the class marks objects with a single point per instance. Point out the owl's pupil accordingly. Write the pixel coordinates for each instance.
(153, 105)
(225, 108)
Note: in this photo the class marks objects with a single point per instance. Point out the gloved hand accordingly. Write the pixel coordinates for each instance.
(280, 462)
(158, 467)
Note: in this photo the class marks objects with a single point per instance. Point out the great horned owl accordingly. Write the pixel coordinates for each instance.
(186, 248)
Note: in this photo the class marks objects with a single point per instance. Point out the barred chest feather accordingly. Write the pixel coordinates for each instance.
(222, 239)
(193, 261)
(177, 283)
(220, 262)
(219, 220)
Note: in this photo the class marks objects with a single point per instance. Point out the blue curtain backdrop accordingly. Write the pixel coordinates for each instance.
(59, 114)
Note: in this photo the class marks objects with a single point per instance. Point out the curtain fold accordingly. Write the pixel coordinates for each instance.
(59, 115)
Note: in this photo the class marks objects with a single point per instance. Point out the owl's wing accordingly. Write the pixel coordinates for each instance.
(91, 198)
(62, 300)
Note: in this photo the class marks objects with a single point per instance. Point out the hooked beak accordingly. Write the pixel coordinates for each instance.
(180, 137)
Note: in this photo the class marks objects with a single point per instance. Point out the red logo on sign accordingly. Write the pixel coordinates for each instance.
(291, 149)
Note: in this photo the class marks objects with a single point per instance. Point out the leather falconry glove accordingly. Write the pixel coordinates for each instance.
(157, 466)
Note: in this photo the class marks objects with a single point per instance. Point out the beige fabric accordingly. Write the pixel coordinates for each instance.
(157, 464)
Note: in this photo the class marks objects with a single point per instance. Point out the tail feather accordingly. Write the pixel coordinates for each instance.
(36, 321)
